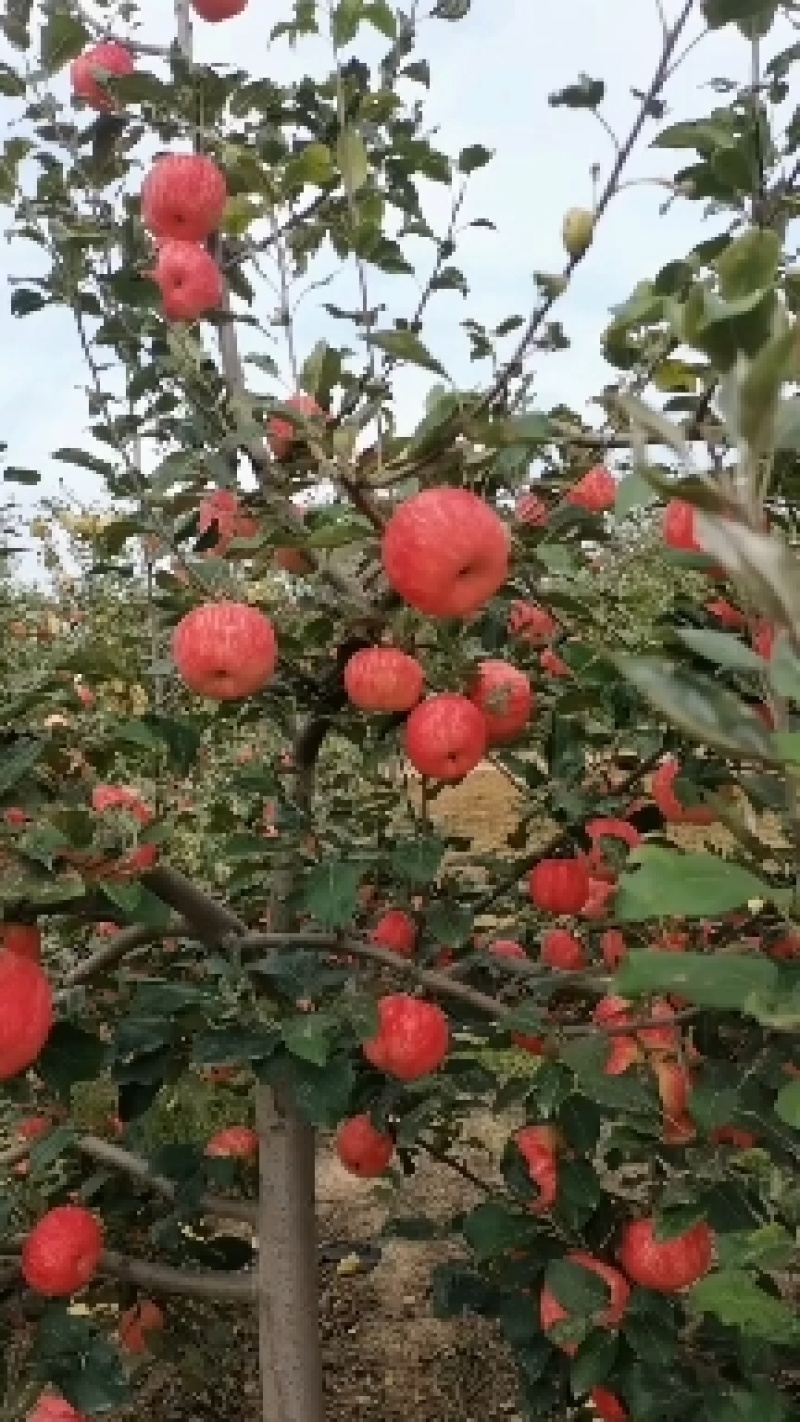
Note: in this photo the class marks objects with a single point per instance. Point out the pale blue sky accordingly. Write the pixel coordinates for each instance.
(492, 74)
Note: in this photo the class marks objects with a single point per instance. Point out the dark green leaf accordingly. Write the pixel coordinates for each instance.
(75, 1358)
(580, 1291)
(787, 1105)
(406, 346)
(71, 1055)
(697, 705)
(62, 39)
(593, 1361)
(309, 1037)
(492, 1230)
(330, 893)
(417, 861)
(476, 156)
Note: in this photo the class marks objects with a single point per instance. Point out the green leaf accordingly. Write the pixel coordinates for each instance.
(15, 475)
(345, 20)
(633, 492)
(309, 1037)
(231, 1046)
(784, 669)
(749, 264)
(381, 16)
(181, 737)
(75, 1358)
(15, 764)
(722, 648)
(449, 924)
(71, 1055)
(593, 1361)
(753, 17)
(723, 983)
(770, 1247)
(474, 157)
(353, 162)
(761, 387)
(492, 1230)
(787, 1105)
(667, 883)
(587, 93)
(137, 903)
(580, 1291)
(406, 346)
(330, 893)
(734, 1297)
(417, 861)
(706, 711)
(84, 460)
(62, 39)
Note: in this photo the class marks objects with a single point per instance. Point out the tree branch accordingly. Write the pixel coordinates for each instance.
(194, 1283)
(136, 1166)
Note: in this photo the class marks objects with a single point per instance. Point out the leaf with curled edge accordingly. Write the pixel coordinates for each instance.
(698, 705)
(758, 562)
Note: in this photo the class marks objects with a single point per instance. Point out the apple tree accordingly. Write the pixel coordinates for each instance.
(295, 620)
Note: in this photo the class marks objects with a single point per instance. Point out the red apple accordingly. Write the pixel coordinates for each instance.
(531, 510)
(362, 1149)
(596, 491)
(397, 932)
(225, 650)
(62, 1251)
(445, 737)
(238, 1142)
(531, 623)
(503, 694)
(383, 679)
(106, 58)
(413, 1037)
(189, 279)
(562, 950)
(214, 11)
(26, 1013)
(445, 552)
(282, 434)
(137, 1323)
(24, 939)
(183, 197)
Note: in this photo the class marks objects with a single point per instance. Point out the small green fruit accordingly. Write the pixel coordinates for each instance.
(578, 231)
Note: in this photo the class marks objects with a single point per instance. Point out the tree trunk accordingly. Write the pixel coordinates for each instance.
(288, 1286)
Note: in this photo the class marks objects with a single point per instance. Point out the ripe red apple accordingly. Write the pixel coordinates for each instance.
(531, 510)
(600, 891)
(784, 949)
(562, 950)
(397, 932)
(667, 1265)
(16, 817)
(445, 737)
(733, 1136)
(445, 552)
(412, 1040)
(559, 885)
(663, 792)
(660, 1039)
(727, 614)
(531, 623)
(62, 1251)
(282, 435)
(55, 1409)
(613, 948)
(538, 1146)
(762, 639)
(189, 280)
(678, 527)
(137, 1323)
(383, 679)
(503, 694)
(596, 491)
(508, 948)
(552, 1312)
(26, 1013)
(221, 509)
(183, 197)
(362, 1149)
(121, 797)
(553, 664)
(534, 1045)
(106, 58)
(215, 11)
(239, 1142)
(607, 1405)
(674, 1089)
(623, 1050)
(24, 939)
(225, 650)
